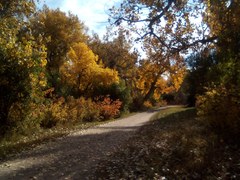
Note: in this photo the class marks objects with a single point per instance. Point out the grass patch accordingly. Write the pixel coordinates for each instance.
(173, 145)
(174, 111)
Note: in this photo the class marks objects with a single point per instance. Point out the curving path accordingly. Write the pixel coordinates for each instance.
(74, 156)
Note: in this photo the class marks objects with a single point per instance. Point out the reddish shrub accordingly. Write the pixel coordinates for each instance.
(109, 108)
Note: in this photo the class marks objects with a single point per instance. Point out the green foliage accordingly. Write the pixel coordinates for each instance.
(221, 102)
(22, 65)
(202, 73)
(116, 91)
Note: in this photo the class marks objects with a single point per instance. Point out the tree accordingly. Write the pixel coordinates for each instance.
(202, 73)
(154, 79)
(225, 90)
(59, 32)
(170, 22)
(23, 60)
(116, 54)
(176, 26)
(83, 71)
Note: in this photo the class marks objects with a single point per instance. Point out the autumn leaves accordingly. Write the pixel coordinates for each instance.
(82, 69)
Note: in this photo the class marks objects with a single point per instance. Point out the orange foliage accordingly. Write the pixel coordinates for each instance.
(109, 108)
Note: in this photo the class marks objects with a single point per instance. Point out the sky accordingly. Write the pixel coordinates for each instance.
(92, 12)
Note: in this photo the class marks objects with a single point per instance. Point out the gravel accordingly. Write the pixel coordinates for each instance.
(74, 156)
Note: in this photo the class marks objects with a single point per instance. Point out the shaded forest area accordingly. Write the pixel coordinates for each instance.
(53, 73)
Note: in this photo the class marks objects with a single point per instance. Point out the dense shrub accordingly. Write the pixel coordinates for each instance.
(28, 117)
(61, 111)
(220, 108)
(109, 108)
(87, 110)
(55, 112)
(116, 91)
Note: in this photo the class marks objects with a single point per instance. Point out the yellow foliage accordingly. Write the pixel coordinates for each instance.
(82, 70)
(178, 76)
(152, 75)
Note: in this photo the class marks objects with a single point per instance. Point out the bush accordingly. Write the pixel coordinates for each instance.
(55, 112)
(116, 91)
(70, 111)
(109, 108)
(28, 117)
(25, 118)
(220, 109)
(87, 110)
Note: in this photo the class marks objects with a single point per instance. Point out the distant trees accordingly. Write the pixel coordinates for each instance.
(143, 78)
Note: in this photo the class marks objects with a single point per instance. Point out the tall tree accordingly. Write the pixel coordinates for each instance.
(158, 75)
(116, 53)
(22, 58)
(222, 18)
(59, 32)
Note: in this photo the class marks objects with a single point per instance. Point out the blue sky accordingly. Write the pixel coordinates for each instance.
(92, 12)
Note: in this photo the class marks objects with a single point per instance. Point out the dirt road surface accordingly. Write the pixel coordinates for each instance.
(74, 156)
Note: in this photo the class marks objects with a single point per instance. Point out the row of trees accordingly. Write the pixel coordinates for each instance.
(209, 31)
(52, 71)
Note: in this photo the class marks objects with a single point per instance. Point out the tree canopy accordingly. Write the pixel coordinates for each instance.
(84, 71)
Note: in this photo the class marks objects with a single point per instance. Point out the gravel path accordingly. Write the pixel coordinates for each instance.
(74, 156)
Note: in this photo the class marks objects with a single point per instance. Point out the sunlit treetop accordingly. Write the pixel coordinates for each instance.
(175, 24)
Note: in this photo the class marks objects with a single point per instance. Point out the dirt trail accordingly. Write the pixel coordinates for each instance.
(74, 156)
